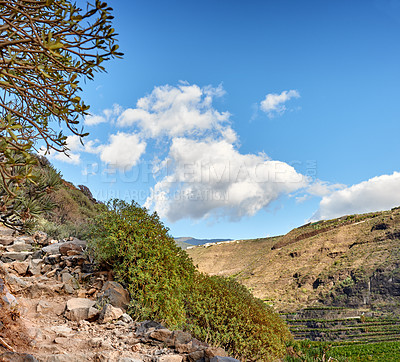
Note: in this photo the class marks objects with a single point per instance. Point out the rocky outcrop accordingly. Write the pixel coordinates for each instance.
(73, 312)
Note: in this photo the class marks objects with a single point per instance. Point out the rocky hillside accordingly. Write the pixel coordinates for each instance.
(56, 305)
(351, 261)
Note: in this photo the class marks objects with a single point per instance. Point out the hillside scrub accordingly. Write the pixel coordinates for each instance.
(165, 286)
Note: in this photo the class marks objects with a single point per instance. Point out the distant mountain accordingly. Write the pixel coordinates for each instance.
(187, 241)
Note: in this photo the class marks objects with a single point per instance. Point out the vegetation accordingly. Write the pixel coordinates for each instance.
(165, 286)
(46, 49)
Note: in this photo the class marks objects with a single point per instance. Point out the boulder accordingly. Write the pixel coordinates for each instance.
(18, 247)
(110, 313)
(114, 293)
(78, 308)
(15, 256)
(67, 248)
(21, 267)
(35, 266)
(40, 237)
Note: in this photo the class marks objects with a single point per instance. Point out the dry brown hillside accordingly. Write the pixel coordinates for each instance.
(352, 261)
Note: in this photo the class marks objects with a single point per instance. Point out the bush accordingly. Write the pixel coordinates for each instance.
(165, 286)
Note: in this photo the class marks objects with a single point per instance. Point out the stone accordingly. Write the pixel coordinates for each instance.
(126, 318)
(62, 331)
(162, 335)
(68, 288)
(15, 256)
(196, 356)
(18, 247)
(35, 266)
(52, 249)
(211, 352)
(17, 357)
(223, 359)
(110, 313)
(185, 347)
(181, 337)
(37, 254)
(95, 342)
(70, 246)
(93, 314)
(78, 308)
(24, 239)
(42, 306)
(114, 294)
(6, 240)
(65, 277)
(21, 267)
(17, 284)
(40, 237)
(170, 358)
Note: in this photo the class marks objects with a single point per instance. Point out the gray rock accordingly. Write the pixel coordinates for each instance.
(223, 359)
(126, 318)
(17, 284)
(181, 337)
(18, 247)
(35, 266)
(78, 308)
(110, 313)
(114, 294)
(52, 249)
(15, 256)
(68, 289)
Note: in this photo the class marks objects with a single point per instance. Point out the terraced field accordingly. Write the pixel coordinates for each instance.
(344, 334)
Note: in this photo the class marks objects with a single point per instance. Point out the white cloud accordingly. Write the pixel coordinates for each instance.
(175, 111)
(71, 155)
(273, 104)
(123, 150)
(378, 193)
(210, 177)
(108, 115)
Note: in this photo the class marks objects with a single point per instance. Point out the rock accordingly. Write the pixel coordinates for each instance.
(24, 239)
(35, 266)
(68, 288)
(211, 352)
(18, 247)
(110, 313)
(114, 294)
(95, 342)
(21, 267)
(65, 277)
(126, 318)
(38, 254)
(70, 246)
(196, 356)
(61, 340)
(170, 358)
(6, 240)
(40, 237)
(17, 357)
(223, 359)
(62, 331)
(42, 306)
(93, 314)
(181, 337)
(17, 284)
(52, 249)
(185, 347)
(162, 335)
(78, 308)
(15, 256)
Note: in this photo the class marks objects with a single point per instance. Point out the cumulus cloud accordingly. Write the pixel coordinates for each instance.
(108, 115)
(175, 111)
(123, 150)
(211, 177)
(274, 104)
(378, 193)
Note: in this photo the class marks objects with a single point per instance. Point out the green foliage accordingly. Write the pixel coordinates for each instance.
(222, 311)
(137, 246)
(165, 286)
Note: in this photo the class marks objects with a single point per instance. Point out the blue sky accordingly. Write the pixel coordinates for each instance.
(241, 119)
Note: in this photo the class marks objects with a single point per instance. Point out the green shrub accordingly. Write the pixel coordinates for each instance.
(222, 311)
(165, 286)
(143, 256)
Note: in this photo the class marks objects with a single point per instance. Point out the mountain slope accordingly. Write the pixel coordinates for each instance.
(353, 260)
